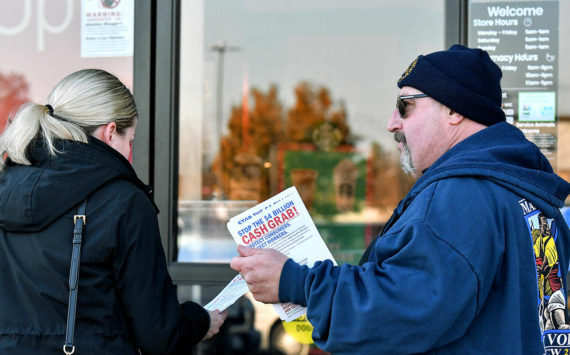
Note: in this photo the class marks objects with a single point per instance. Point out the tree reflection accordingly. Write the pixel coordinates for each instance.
(313, 108)
(13, 93)
(310, 145)
(247, 163)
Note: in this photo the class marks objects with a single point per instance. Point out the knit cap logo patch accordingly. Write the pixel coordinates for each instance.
(409, 70)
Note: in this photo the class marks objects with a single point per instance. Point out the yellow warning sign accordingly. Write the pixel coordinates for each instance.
(300, 329)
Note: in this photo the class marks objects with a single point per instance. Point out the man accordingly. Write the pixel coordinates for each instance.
(453, 271)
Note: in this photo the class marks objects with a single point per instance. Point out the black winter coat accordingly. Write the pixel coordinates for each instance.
(126, 297)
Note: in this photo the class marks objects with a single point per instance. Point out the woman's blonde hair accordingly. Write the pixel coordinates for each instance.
(81, 102)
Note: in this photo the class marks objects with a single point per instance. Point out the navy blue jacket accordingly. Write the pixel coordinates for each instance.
(473, 261)
(126, 299)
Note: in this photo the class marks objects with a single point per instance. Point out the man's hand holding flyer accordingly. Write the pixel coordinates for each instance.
(282, 223)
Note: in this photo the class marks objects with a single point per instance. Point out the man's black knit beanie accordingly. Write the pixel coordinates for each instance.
(464, 79)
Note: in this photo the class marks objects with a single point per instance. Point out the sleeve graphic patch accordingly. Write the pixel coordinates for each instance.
(551, 301)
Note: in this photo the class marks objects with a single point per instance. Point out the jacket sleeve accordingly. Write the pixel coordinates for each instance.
(160, 325)
(419, 293)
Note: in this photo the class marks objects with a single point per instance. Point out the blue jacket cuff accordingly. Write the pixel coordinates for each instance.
(292, 283)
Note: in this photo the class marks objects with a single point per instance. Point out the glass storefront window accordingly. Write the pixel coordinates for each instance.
(275, 94)
(527, 39)
(41, 42)
(563, 104)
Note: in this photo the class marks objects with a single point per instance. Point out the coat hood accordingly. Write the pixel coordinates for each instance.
(33, 196)
(502, 154)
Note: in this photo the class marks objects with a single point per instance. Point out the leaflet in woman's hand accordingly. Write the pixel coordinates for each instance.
(229, 295)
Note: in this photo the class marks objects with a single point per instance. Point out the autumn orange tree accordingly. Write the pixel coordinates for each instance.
(257, 131)
(265, 126)
(13, 93)
(313, 107)
(252, 132)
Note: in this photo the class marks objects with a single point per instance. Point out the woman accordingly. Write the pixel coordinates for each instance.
(78, 148)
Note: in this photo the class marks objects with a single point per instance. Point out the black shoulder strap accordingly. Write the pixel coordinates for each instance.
(79, 221)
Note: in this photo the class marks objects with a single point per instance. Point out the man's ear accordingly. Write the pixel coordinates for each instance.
(455, 118)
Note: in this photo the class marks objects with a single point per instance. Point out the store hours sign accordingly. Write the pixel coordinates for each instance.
(522, 38)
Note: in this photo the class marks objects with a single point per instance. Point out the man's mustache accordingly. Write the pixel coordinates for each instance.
(400, 137)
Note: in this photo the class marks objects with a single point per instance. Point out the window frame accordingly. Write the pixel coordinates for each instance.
(156, 71)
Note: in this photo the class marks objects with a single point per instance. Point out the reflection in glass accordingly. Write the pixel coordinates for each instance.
(13, 93)
(197, 219)
(276, 94)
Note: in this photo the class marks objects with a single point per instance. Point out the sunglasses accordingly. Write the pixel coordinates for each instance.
(402, 104)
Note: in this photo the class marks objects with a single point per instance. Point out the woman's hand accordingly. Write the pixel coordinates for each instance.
(217, 318)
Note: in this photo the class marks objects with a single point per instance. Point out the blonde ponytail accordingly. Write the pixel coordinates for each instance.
(80, 103)
(20, 131)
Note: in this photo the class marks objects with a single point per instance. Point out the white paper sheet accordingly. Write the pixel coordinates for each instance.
(282, 223)
(231, 293)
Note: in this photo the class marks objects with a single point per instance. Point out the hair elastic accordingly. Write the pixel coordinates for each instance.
(50, 109)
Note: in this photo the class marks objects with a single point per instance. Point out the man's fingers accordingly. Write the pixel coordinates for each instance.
(237, 263)
(245, 251)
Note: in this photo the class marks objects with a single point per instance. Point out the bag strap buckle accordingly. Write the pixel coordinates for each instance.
(68, 352)
(79, 216)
